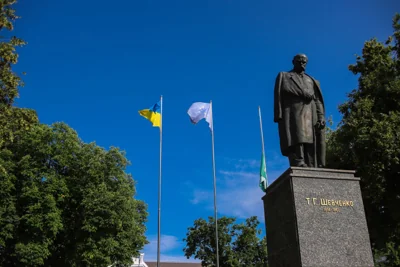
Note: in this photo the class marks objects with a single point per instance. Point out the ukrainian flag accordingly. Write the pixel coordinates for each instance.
(153, 114)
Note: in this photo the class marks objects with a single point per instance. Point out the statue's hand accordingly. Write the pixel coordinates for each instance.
(308, 96)
(321, 124)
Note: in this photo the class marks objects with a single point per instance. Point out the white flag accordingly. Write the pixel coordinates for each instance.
(199, 111)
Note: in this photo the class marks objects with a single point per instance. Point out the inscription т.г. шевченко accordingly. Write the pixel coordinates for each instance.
(329, 202)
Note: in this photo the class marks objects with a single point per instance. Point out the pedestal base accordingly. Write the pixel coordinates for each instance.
(315, 217)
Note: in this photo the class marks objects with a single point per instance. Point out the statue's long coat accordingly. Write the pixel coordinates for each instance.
(295, 116)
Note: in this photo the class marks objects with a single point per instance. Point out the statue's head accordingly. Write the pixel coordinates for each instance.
(300, 62)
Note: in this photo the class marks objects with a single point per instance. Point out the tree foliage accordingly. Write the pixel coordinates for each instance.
(11, 119)
(72, 202)
(63, 202)
(368, 140)
(9, 81)
(238, 244)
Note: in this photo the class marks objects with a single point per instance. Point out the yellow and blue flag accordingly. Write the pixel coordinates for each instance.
(153, 114)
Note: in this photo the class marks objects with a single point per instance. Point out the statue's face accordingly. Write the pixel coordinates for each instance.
(300, 63)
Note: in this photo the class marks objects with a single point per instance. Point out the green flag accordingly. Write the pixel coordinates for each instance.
(263, 174)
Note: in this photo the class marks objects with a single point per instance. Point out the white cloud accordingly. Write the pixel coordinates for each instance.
(238, 193)
(200, 196)
(232, 175)
(242, 163)
(167, 244)
(241, 197)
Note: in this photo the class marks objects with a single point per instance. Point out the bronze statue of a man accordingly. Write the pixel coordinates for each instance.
(300, 113)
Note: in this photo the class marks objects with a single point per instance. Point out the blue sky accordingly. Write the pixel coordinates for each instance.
(94, 64)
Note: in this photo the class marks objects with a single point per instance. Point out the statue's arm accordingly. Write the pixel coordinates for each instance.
(320, 107)
(277, 98)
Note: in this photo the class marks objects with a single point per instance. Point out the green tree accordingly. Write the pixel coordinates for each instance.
(74, 203)
(62, 202)
(11, 119)
(13, 122)
(368, 140)
(238, 244)
(9, 81)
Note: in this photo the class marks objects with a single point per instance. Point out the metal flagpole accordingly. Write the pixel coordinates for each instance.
(262, 138)
(159, 186)
(215, 188)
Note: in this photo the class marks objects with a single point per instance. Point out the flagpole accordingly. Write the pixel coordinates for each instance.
(159, 186)
(215, 188)
(262, 137)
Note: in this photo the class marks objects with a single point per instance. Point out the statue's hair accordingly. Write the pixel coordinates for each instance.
(300, 55)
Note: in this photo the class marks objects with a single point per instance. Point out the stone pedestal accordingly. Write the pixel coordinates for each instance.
(315, 217)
